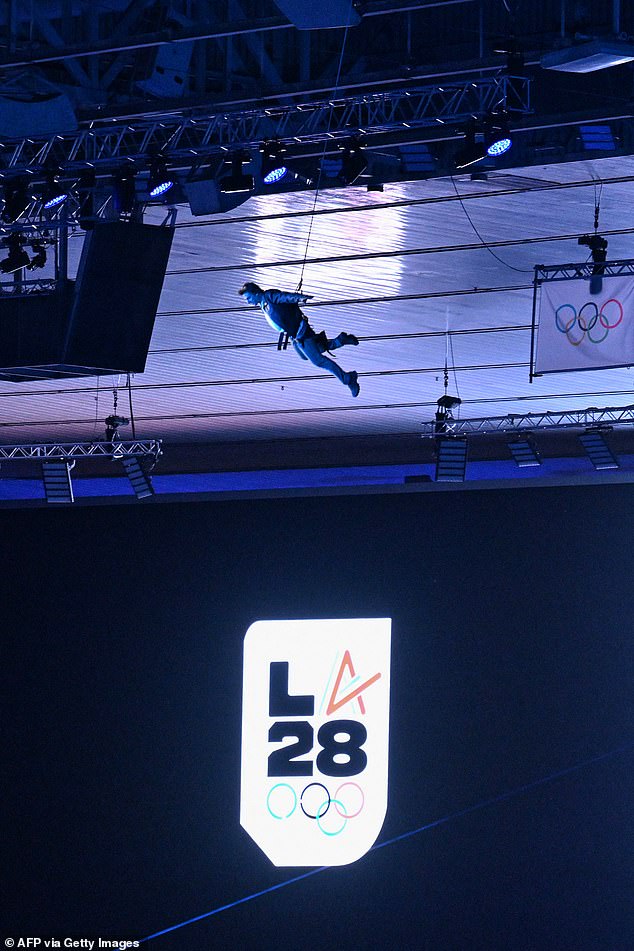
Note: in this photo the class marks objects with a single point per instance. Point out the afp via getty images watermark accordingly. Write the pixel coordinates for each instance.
(88, 944)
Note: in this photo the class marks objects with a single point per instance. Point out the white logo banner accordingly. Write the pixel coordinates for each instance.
(582, 331)
(315, 726)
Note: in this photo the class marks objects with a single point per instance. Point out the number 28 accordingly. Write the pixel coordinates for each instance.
(339, 740)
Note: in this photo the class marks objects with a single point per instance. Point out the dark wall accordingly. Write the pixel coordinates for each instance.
(512, 660)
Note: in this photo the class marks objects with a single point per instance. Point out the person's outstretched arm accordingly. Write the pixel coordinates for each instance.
(286, 297)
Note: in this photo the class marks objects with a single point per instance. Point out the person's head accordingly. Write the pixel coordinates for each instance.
(251, 291)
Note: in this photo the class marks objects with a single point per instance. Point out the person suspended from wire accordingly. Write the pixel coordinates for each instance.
(282, 311)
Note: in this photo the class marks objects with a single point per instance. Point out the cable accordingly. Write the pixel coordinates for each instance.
(131, 410)
(321, 163)
(405, 252)
(522, 270)
(453, 365)
(94, 431)
(483, 804)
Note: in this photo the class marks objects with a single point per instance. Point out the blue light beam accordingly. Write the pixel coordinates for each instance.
(406, 835)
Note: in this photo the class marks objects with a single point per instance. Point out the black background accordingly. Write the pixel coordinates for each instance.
(511, 660)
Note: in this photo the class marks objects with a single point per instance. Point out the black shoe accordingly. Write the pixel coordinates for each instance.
(348, 340)
(353, 384)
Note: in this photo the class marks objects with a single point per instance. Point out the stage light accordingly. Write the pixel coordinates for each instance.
(451, 459)
(160, 180)
(237, 180)
(54, 192)
(499, 146)
(472, 151)
(353, 162)
(58, 485)
(274, 168)
(497, 135)
(16, 200)
(446, 405)
(17, 257)
(139, 479)
(417, 159)
(598, 247)
(524, 452)
(597, 449)
(597, 138)
(39, 257)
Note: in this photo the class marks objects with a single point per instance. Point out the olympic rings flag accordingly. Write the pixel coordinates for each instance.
(582, 331)
(315, 729)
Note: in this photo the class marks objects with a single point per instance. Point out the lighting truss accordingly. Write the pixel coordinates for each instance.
(150, 448)
(568, 272)
(184, 138)
(570, 419)
(26, 288)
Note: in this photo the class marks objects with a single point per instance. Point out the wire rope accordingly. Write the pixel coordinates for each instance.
(323, 154)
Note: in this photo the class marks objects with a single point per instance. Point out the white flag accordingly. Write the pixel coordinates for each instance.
(578, 330)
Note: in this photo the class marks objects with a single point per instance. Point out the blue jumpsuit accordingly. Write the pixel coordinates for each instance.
(281, 310)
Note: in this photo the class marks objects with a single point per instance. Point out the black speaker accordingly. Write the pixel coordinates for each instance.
(102, 323)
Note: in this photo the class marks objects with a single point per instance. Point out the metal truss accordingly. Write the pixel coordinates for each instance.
(45, 285)
(82, 450)
(568, 272)
(571, 419)
(186, 138)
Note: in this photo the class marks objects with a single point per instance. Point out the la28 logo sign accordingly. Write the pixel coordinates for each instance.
(315, 726)
(337, 756)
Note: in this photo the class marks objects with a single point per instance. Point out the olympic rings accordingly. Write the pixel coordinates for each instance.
(586, 321)
(268, 800)
(319, 813)
(337, 802)
(349, 815)
(283, 807)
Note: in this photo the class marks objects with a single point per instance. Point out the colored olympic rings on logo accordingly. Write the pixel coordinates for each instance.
(591, 323)
(282, 801)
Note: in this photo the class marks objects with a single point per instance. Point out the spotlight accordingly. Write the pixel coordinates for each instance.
(58, 485)
(139, 479)
(39, 257)
(598, 138)
(124, 190)
(524, 452)
(54, 192)
(237, 180)
(448, 402)
(16, 200)
(446, 405)
(159, 181)
(472, 151)
(497, 136)
(274, 168)
(353, 162)
(17, 257)
(451, 459)
(598, 247)
(597, 449)
(113, 423)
